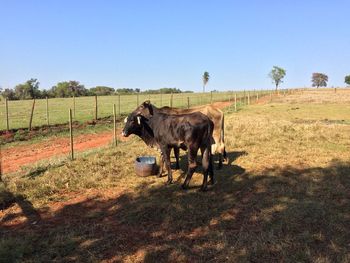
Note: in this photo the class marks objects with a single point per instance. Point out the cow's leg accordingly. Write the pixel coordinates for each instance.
(225, 155)
(220, 161)
(166, 154)
(211, 169)
(176, 153)
(206, 167)
(161, 165)
(192, 154)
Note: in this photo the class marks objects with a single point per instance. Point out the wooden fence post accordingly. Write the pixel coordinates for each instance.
(96, 107)
(119, 104)
(257, 96)
(7, 114)
(115, 142)
(0, 164)
(248, 97)
(73, 106)
(235, 102)
(31, 115)
(137, 100)
(47, 112)
(161, 101)
(211, 97)
(71, 135)
(171, 100)
(188, 102)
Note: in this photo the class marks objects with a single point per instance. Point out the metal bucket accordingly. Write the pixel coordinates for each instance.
(145, 165)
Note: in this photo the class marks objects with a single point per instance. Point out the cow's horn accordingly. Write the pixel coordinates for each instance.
(139, 120)
(126, 119)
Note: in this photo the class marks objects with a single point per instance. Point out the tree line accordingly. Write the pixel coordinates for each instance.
(317, 79)
(30, 90)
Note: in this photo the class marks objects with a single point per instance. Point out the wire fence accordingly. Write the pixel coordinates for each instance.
(35, 113)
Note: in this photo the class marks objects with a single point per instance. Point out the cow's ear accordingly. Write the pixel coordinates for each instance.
(146, 103)
(150, 108)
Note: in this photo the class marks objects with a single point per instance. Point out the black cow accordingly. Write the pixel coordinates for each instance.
(188, 131)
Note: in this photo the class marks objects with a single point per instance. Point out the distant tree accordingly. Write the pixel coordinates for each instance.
(137, 90)
(205, 79)
(162, 90)
(47, 93)
(9, 94)
(69, 89)
(101, 91)
(277, 74)
(319, 80)
(347, 80)
(124, 90)
(77, 89)
(28, 90)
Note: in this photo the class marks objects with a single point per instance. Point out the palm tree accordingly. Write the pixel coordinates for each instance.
(205, 79)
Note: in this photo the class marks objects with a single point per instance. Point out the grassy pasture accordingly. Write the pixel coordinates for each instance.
(19, 111)
(283, 197)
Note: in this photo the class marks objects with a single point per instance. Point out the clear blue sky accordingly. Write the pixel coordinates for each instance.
(153, 44)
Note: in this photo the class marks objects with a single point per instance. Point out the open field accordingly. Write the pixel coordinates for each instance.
(283, 197)
(19, 111)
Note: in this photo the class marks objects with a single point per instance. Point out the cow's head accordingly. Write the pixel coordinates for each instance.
(135, 121)
(133, 124)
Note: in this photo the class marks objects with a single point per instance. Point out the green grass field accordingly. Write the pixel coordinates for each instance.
(283, 197)
(19, 111)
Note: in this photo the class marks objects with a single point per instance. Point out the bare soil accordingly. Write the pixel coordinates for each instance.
(15, 157)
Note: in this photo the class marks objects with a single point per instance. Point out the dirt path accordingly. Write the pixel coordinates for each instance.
(15, 157)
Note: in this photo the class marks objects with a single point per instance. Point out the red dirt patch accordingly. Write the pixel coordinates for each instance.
(221, 104)
(14, 158)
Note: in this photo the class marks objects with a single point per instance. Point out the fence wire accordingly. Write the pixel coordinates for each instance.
(54, 111)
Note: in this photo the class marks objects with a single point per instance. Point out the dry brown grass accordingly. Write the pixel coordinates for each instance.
(284, 197)
(321, 95)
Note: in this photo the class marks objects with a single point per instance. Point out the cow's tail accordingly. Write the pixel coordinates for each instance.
(223, 136)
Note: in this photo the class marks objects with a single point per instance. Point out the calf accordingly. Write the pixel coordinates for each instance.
(216, 116)
(191, 131)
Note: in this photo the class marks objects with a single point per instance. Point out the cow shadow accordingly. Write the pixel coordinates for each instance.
(227, 168)
(7, 199)
(234, 155)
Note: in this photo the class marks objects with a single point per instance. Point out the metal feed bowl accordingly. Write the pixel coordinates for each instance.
(145, 165)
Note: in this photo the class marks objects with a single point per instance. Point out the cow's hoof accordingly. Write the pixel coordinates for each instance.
(169, 182)
(184, 187)
(203, 189)
(212, 182)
